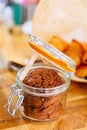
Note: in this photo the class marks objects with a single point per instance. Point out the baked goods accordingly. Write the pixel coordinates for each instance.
(76, 46)
(75, 51)
(43, 107)
(84, 59)
(43, 78)
(85, 45)
(82, 71)
(78, 53)
(59, 43)
(75, 56)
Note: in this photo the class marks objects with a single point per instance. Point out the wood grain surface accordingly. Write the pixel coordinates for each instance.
(74, 117)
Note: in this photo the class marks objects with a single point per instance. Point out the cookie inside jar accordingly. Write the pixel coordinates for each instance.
(44, 100)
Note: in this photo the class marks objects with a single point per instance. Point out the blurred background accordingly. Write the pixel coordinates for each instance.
(17, 12)
(15, 22)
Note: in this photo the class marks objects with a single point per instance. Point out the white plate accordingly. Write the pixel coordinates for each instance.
(77, 79)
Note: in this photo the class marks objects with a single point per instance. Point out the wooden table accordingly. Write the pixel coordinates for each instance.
(74, 117)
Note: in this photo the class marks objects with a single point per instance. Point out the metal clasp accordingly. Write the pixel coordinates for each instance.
(16, 91)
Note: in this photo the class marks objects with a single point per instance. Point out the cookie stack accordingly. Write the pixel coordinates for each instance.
(43, 107)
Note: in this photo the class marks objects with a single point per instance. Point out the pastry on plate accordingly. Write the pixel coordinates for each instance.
(84, 59)
(75, 51)
(81, 71)
(59, 43)
(74, 55)
(77, 46)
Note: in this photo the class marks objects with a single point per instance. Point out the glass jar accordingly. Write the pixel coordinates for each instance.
(37, 102)
(40, 104)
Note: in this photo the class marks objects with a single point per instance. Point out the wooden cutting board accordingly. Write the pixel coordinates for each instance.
(74, 117)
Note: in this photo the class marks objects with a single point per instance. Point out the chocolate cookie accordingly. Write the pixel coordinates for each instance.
(42, 107)
(43, 78)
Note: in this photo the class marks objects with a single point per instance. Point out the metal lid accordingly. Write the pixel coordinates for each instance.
(51, 54)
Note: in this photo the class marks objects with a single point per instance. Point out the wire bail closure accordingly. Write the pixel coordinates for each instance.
(15, 91)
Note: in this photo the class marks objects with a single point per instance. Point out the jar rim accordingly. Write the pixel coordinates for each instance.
(44, 91)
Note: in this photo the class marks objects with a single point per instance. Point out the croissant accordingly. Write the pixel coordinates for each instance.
(76, 46)
(74, 56)
(84, 60)
(75, 51)
(81, 71)
(58, 43)
(85, 46)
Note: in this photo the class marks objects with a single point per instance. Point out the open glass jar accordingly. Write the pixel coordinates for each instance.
(37, 102)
